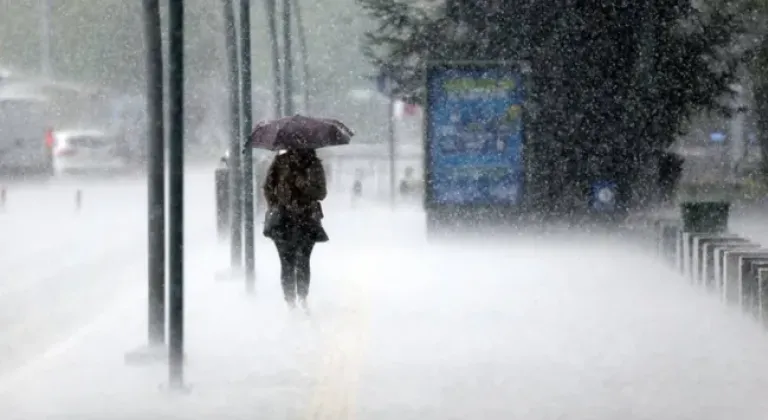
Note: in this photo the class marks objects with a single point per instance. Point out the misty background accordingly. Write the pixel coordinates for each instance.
(102, 43)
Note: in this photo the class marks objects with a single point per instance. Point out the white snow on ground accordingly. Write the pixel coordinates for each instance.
(577, 327)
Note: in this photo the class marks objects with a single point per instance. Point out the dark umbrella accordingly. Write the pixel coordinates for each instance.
(299, 132)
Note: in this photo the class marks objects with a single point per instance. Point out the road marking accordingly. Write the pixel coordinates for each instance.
(108, 259)
(120, 308)
(39, 363)
(335, 394)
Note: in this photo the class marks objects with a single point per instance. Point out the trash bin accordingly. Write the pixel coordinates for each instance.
(705, 216)
(221, 185)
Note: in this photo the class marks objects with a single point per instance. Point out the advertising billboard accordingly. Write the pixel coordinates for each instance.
(474, 134)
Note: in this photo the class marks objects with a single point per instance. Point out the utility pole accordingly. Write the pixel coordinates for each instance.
(277, 87)
(45, 37)
(155, 350)
(155, 173)
(235, 187)
(176, 192)
(304, 53)
(391, 143)
(287, 59)
(245, 131)
(385, 85)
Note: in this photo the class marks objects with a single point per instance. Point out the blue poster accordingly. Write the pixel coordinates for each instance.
(474, 135)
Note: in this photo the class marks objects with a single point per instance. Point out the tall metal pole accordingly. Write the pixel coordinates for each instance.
(391, 143)
(235, 187)
(288, 59)
(45, 37)
(277, 88)
(155, 173)
(245, 131)
(304, 53)
(176, 191)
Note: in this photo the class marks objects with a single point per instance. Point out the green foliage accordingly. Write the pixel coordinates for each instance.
(615, 79)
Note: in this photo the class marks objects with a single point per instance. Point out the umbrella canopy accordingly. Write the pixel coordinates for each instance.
(299, 132)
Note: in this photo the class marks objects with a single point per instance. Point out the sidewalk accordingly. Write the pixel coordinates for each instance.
(546, 328)
(229, 366)
(247, 355)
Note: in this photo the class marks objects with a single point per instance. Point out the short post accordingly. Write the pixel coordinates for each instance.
(697, 242)
(221, 186)
(78, 200)
(669, 232)
(750, 283)
(706, 257)
(762, 300)
(719, 253)
(732, 273)
(3, 197)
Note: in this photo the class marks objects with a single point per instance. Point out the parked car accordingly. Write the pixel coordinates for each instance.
(23, 147)
(85, 151)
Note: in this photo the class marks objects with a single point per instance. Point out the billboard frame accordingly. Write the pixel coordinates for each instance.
(437, 211)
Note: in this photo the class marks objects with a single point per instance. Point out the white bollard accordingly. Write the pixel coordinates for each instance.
(707, 257)
(696, 254)
(732, 287)
(749, 289)
(719, 262)
(762, 293)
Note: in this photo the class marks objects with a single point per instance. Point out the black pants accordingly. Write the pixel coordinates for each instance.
(294, 268)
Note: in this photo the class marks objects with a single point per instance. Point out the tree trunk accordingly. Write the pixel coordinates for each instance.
(761, 104)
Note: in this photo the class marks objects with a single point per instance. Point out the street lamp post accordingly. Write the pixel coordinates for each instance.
(246, 96)
(235, 187)
(287, 60)
(45, 37)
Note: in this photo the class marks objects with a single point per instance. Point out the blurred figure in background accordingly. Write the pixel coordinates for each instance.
(670, 172)
(407, 184)
(294, 187)
(357, 186)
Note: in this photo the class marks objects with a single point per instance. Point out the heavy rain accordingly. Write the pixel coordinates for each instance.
(383, 209)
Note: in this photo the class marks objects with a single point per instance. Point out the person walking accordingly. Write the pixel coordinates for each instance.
(294, 186)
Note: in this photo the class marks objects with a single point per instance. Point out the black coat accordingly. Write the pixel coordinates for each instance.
(294, 187)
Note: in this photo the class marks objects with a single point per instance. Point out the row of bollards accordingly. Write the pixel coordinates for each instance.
(4, 199)
(699, 246)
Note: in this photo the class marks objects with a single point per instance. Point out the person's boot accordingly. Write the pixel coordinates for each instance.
(291, 302)
(303, 304)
